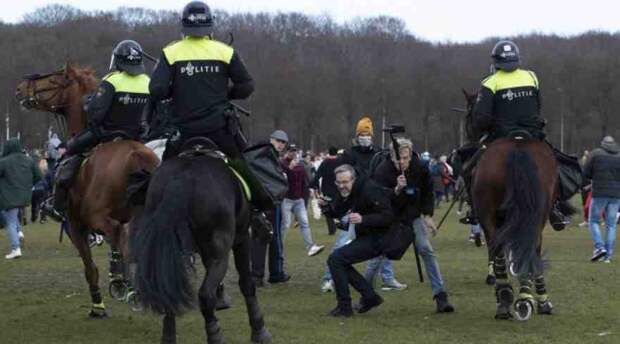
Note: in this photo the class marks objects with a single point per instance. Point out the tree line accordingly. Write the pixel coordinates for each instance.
(315, 78)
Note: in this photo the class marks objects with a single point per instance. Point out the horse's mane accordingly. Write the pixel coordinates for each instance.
(85, 76)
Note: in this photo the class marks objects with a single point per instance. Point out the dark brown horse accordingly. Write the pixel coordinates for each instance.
(97, 200)
(513, 187)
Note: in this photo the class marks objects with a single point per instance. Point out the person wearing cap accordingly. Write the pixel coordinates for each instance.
(260, 241)
(508, 102)
(603, 168)
(115, 108)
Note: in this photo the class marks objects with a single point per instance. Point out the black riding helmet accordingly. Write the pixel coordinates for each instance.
(197, 20)
(505, 56)
(127, 57)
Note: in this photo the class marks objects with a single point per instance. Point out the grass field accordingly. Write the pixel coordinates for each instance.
(44, 299)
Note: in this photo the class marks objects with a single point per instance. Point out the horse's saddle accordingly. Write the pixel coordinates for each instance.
(520, 134)
(200, 146)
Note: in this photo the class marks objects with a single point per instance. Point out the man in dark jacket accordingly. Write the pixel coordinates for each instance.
(18, 173)
(325, 178)
(412, 201)
(603, 168)
(366, 206)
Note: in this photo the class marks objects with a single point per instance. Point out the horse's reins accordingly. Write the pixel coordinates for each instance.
(35, 99)
(57, 88)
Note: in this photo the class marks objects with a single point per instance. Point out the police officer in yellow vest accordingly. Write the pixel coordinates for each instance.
(195, 73)
(114, 111)
(509, 102)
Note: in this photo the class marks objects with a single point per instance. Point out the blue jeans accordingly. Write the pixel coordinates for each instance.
(342, 238)
(428, 257)
(298, 208)
(376, 264)
(13, 227)
(610, 207)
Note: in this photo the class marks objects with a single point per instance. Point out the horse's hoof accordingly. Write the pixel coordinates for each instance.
(545, 308)
(503, 313)
(490, 280)
(96, 313)
(214, 334)
(169, 340)
(134, 302)
(118, 290)
(262, 336)
(523, 309)
(512, 270)
(223, 303)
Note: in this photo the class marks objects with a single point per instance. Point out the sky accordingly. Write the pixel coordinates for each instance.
(433, 20)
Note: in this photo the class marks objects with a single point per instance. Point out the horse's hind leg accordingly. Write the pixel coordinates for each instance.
(524, 306)
(248, 289)
(503, 289)
(490, 280)
(79, 236)
(207, 295)
(169, 330)
(542, 299)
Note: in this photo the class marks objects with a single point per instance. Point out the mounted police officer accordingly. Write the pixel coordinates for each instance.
(114, 111)
(508, 103)
(194, 73)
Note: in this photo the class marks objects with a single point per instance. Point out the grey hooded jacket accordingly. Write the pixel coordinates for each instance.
(603, 168)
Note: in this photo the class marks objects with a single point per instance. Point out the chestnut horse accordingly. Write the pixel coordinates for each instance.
(97, 198)
(513, 187)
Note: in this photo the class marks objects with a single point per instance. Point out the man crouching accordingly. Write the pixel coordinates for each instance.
(363, 204)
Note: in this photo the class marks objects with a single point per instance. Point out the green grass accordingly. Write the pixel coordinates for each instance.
(44, 299)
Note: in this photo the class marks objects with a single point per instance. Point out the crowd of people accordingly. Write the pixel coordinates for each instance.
(364, 191)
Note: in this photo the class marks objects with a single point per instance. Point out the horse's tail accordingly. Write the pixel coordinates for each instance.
(523, 208)
(163, 275)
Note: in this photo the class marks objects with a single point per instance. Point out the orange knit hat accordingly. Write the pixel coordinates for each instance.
(364, 127)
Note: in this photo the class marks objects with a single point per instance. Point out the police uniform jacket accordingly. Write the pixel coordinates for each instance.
(508, 101)
(195, 73)
(119, 102)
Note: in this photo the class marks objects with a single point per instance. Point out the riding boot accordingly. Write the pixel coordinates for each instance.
(56, 207)
(557, 217)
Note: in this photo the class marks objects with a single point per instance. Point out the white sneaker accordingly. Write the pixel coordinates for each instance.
(21, 238)
(16, 253)
(607, 260)
(393, 285)
(315, 249)
(327, 286)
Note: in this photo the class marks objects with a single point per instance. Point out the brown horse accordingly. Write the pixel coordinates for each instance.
(97, 200)
(513, 188)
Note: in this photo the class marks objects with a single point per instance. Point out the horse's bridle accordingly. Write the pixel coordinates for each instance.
(34, 99)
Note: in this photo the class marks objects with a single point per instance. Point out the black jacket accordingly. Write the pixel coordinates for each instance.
(408, 207)
(119, 103)
(508, 101)
(368, 199)
(195, 72)
(603, 168)
(359, 157)
(325, 174)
